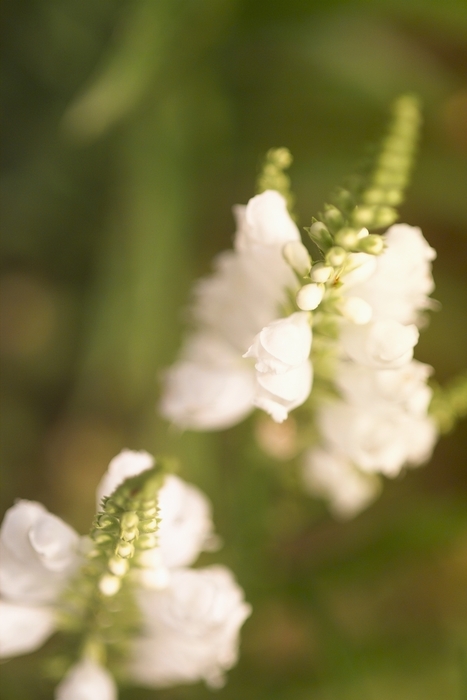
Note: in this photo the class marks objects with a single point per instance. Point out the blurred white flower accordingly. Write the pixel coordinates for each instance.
(282, 345)
(278, 394)
(87, 680)
(211, 387)
(39, 553)
(383, 344)
(329, 474)
(126, 464)
(24, 628)
(190, 629)
(401, 282)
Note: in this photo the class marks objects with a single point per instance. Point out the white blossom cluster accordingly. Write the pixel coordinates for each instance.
(255, 319)
(190, 617)
(237, 311)
(380, 423)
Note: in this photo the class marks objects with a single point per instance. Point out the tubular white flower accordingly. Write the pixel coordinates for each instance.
(24, 628)
(87, 680)
(383, 344)
(277, 394)
(380, 438)
(329, 474)
(282, 345)
(191, 629)
(39, 553)
(126, 464)
(208, 394)
(399, 287)
(265, 221)
(356, 310)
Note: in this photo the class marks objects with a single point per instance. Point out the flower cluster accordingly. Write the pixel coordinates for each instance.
(190, 618)
(240, 314)
(380, 421)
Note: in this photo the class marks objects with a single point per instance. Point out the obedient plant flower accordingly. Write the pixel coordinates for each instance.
(279, 331)
(127, 587)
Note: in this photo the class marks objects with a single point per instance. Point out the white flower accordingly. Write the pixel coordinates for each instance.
(190, 629)
(87, 680)
(329, 474)
(283, 344)
(298, 258)
(277, 394)
(381, 438)
(186, 525)
(24, 628)
(382, 344)
(399, 287)
(210, 388)
(310, 296)
(39, 553)
(265, 221)
(125, 465)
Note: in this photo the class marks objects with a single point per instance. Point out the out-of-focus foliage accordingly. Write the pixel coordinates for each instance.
(130, 128)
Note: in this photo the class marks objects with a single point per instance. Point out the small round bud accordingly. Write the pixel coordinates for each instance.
(107, 522)
(129, 519)
(385, 216)
(372, 244)
(356, 310)
(333, 217)
(363, 215)
(297, 257)
(147, 541)
(130, 534)
(309, 297)
(347, 238)
(125, 550)
(336, 256)
(118, 566)
(321, 272)
(148, 512)
(320, 235)
(109, 585)
(103, 538)
(148, 525)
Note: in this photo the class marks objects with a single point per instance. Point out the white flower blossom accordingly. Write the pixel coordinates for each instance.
(211, 387)
(401, 282)
(190, 629)
(126, 464)
(329, 474)
(282, 345)
(24, 628)
(382, 344)
(278, 394)
(87, 680)
(39, 553)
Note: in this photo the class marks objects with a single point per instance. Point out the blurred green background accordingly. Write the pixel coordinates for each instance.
(130, 129)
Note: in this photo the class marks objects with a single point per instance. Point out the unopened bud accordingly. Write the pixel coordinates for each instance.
(119, 566)
(385, 216)
(129, 519)
(333, 217)
(109, 585)
(372, 244)
(125, 550)
(320, 235)
(107, 522)
(321, 272)
(336, 256)
(363, 215)
(130, 534)
(297, 257)
(147, 541)
(347, 238)
(309, 296)
(356, 309)
(148, 525)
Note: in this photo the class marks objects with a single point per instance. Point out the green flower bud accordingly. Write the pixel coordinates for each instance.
(363, 216)
(385, 216)
(148, 525)
(372, 244)
(336, 256)
(320, 235)
(129, 520)
(125, 550)
(108, 522)
(118, 566)
(148, 541)
(347, 238)
(129, 534)
(333, 217)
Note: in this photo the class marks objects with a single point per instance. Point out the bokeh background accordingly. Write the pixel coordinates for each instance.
(130, 129)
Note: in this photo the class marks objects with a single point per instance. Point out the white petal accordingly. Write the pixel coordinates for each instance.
(309, 297)
(87, 681)
(268, 221)
(381, 344)
(125, 465)
(23, 628)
